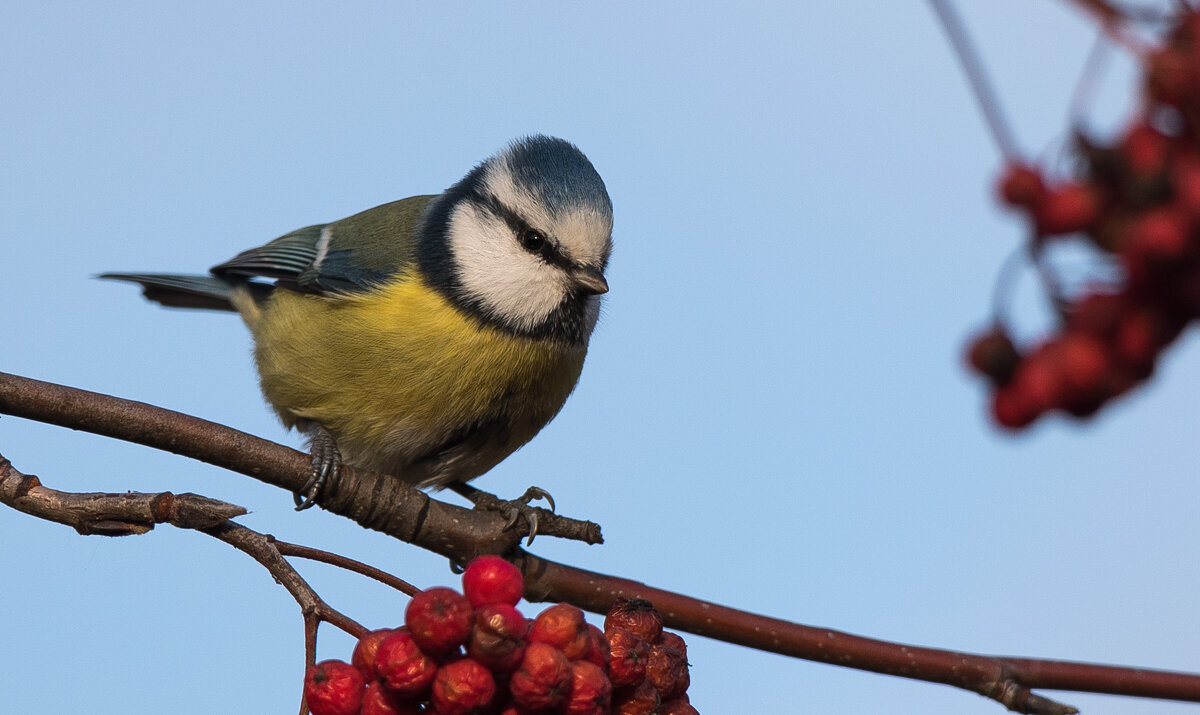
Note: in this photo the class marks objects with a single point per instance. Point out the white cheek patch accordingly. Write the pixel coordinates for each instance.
(493, 268)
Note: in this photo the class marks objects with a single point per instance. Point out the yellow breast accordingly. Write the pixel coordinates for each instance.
(397, 372)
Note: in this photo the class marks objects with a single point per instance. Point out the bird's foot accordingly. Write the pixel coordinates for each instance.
(326, 468)
(513, 510)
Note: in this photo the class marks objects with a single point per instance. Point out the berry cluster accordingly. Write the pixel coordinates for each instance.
(474, 653)
(1137, 200)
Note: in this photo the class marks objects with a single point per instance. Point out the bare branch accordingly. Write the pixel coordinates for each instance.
(133, 513)
(375, 501)
(1004, 679)
(122, 514)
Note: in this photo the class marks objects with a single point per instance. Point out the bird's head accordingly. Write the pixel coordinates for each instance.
(522, 241)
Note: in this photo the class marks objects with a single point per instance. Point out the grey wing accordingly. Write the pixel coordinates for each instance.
(300, 261)
(351, 255)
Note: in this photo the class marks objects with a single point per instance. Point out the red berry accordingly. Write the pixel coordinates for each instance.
(1158, 237)
(563, 627)
(637, 616)
(993, 355)
(463, 687)
(544, 678)
(1185, 184)
(491, 579)
(1012, 408)
(1083, 361)
(498, 638)
(642, 700)
(1096, 313)
(378, 700)
(628, 655)
(1140, 337)
(667, 671)
(1067, 209)
(365, 650)
(1021, 185)
(1040, 378)
(1171, 77)
(334, 687)
(591, 692)
(597, 647)
(675, 641)
(1144, 149)
(439, 620)
(402, 665)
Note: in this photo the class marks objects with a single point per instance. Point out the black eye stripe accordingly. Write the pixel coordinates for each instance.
(547, 249)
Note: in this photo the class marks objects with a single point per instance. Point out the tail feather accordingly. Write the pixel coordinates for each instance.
(187, 291)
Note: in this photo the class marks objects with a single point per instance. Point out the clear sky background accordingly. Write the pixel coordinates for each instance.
(773, 414)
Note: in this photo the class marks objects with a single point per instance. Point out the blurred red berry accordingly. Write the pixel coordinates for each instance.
(439, 620)
(378, 700)
(591, 691)
(1067, 209)
(365, 650)
(637, 616)
(1039, 377)
(334, 687)
(993, 355)
(1140, 338)
(1083, 361)
(1172, 77)
(1185, 184)
(491, 579)
(1012, 408)
(463, 687)
(1020, 185)
(402, 665)
(1096, 313)
(1144, 149)
(1158, 237)
(543, 680)
(628, 655)
(498, 638)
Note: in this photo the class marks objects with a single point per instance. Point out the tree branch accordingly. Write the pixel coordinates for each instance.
(375, 501)
(133, 513)
(385, 504)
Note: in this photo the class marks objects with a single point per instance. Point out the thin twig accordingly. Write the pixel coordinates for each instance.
(985, 96)
(307, 552)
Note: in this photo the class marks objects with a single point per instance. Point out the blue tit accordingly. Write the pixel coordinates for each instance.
(430, 337)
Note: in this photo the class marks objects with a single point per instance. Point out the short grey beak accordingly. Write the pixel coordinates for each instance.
(590, 281)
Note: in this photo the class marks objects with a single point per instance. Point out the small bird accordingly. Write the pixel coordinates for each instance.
(431, 337)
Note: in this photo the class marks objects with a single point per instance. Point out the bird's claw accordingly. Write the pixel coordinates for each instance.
(514, 509)
(325, 472)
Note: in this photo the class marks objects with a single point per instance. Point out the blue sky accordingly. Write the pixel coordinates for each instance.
(773, 415)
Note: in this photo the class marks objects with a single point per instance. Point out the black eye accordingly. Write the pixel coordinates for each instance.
(533, 241)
